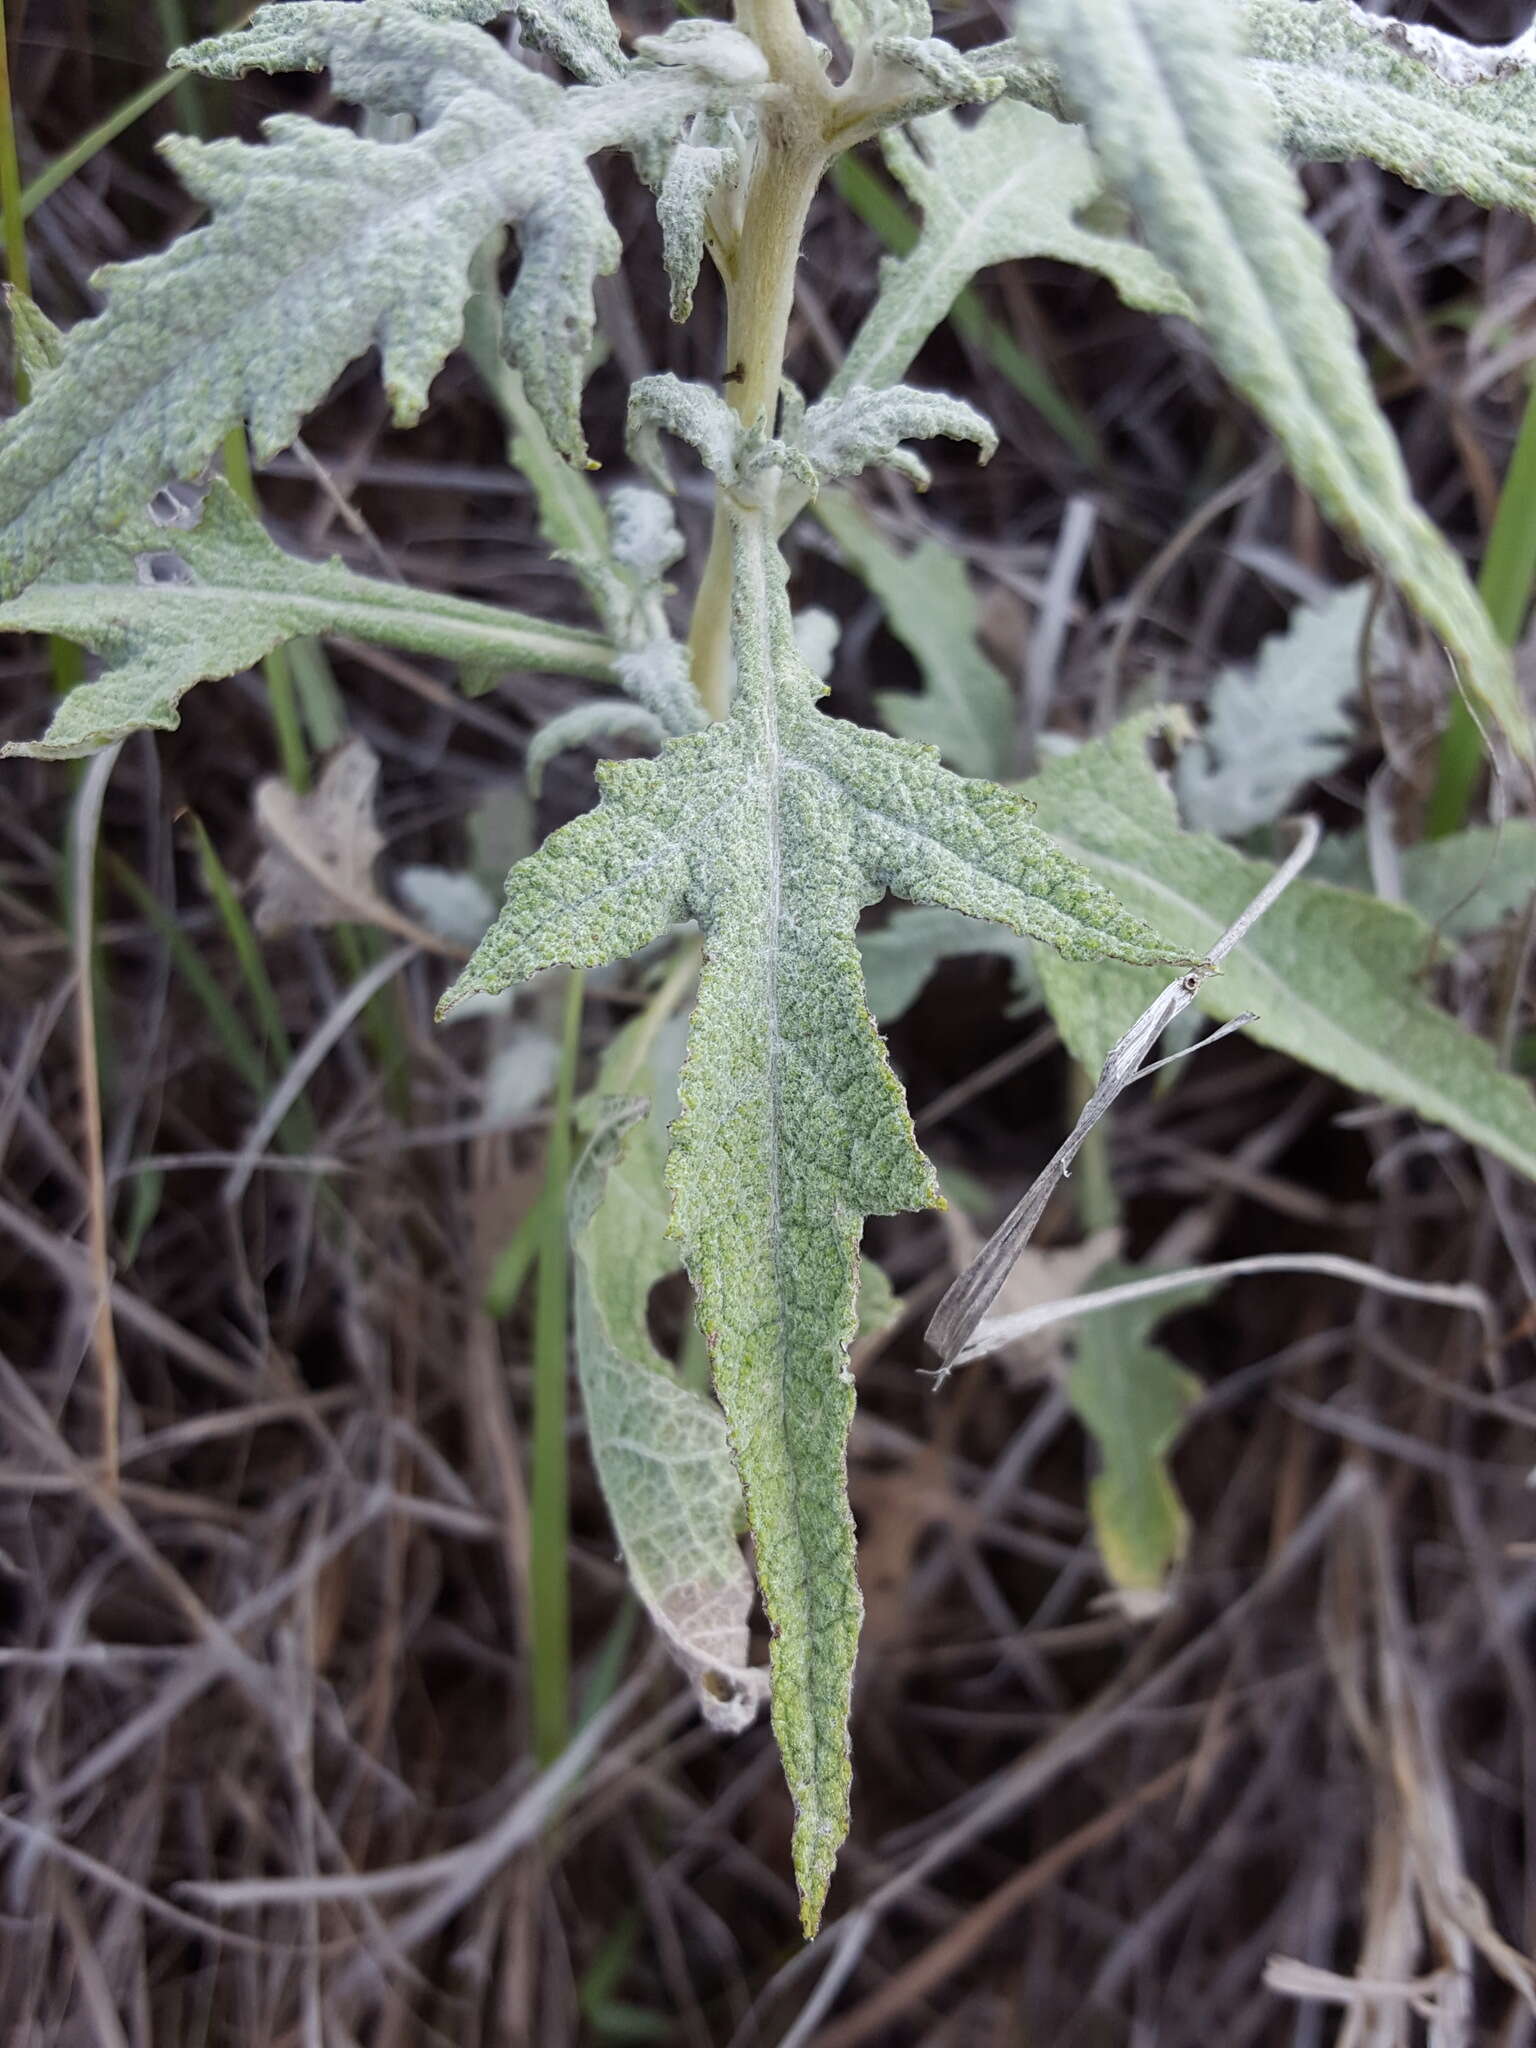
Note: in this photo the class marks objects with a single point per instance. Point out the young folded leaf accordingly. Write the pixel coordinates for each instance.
(660, 1448)
(171, 607)
(700, 174)
(1186, 138)
(858, 428)
(773, 830)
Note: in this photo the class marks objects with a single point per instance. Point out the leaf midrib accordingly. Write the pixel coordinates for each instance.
(496, 637)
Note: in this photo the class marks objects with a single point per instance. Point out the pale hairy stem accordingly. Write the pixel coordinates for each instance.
(759, 276)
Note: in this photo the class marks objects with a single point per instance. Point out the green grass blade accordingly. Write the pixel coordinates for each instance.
(15, 233)
(550, 1588)
(1505, 585)
(96, 139)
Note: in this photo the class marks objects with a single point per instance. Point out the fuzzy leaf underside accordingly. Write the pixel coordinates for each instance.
(1281, 723)
(1132, 1399)
(1187, 140)
(322, 243)
(1344, 83)
(233, 596)
(1013, 184)
(1334, 976)
(773, 830)
(580, 34)
(696, 173)
(660, 1449)
(965, 708)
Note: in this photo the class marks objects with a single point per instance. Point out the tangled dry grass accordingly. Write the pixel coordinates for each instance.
(267, 1768)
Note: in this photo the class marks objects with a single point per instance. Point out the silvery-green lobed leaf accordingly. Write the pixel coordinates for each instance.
(1014, 183)
(908, 76)
(580, 34)
(1281, 723)
(1448, 116)
(713, 49)
(859, 428)
(550, 318)
(37, 342)
(965, 707)
(586, 724)
(321, 243)
(168, 608)
(773, 830)
(390, 56)
(691, 412)
(1336, 978)
(660, 1449)
(1187, 140)
(696, 174)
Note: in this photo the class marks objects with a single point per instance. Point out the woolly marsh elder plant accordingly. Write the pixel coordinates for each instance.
(761, 819)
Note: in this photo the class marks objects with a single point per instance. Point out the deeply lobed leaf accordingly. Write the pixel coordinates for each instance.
(322, 243)
(168, 608)
(1014, 183)
(773, 830)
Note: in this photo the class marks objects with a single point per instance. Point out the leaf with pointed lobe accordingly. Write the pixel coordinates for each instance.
(322, 243)
(697, 174)
(1014, 183)
(1281, 723)
(167, 608)
(1333, 978)
(772, 830)
(860, 428)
